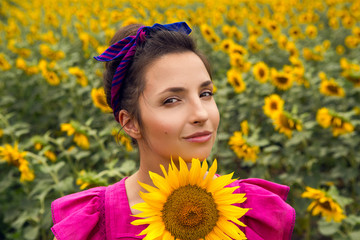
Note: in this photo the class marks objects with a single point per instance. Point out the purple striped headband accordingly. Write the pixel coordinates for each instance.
(124, 50)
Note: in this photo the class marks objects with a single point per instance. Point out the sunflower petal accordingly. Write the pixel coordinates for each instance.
(153, 219)
(237, 221)
(204, 168)
(184, 173)
(153, 196)
(173, 179)
(220, 233)
(163, 170)
(220, 182)
(210, 174)
(167, 235)
(225, 191)
(155, 230)
(194, 176)
(144, 207)
(230, 199)
(160, 182)
(148, 187)
(229, 228)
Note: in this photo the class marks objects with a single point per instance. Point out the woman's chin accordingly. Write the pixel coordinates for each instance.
(201, 157)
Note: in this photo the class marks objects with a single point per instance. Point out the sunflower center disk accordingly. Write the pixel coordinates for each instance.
(190, 213)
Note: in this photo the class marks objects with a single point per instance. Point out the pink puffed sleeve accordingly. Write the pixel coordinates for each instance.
(269, 217)
(79, 216)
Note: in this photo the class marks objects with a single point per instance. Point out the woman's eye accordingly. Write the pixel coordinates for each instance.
(206, 94)
(170, 100)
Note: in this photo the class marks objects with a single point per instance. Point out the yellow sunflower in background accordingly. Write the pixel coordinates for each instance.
(80, 75)
(235, 79)
(80, 138)
(341, 126)
(4, 64)
(123, 139)
(261, 72)
(285, 123)
(11, 154)
(273, 104)
(328, 118)
(226, 45)
(340, 49)
(27, 174)
(323, 204)
(242, 148)
(244, 127)
(323, 117)
(50, 155)
(311, 31)
(238, 49)
(209, 33)
(190, 204)
(253, 44)
(282, 41)
(292, 49)
(351, 72)
(52, 78)
(331, 88)
(99, 99)
(295, 32)
(237, 61)
(281, 80)
(273, 27)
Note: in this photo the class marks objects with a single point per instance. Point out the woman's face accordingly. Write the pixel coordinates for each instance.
(178, 112)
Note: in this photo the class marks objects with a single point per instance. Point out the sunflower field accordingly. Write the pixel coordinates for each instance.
(287, 77)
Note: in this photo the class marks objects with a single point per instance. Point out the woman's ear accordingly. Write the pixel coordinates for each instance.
(129, 124)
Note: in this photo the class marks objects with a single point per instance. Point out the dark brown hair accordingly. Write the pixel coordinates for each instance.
(157, 44)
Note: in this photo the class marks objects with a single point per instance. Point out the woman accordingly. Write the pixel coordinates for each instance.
(160, 89)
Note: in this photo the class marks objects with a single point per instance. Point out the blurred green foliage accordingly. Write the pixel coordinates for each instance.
(50, 38)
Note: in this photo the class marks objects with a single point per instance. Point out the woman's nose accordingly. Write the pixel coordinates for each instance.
(198, 112)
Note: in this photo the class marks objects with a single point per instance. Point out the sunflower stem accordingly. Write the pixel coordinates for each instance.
(53, 175)
(7, 124)
(308, 227)
(66, 154)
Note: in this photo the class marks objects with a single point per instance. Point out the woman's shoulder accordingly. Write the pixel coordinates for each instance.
(81, 215)
(269, 216)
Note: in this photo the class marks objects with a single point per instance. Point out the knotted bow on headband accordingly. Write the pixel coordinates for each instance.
(124, 50)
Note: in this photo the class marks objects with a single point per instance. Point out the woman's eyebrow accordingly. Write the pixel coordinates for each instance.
(206, 83)
(181, 89)
(173, 89)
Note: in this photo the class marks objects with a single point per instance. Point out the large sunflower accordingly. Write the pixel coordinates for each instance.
(190, 204)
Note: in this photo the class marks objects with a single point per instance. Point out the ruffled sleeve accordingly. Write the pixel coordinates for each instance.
(79, 215)
(269, 217)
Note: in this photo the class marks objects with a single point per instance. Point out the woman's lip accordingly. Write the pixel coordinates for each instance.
(199, 137)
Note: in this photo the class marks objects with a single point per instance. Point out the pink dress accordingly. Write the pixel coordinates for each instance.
(104, 213)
